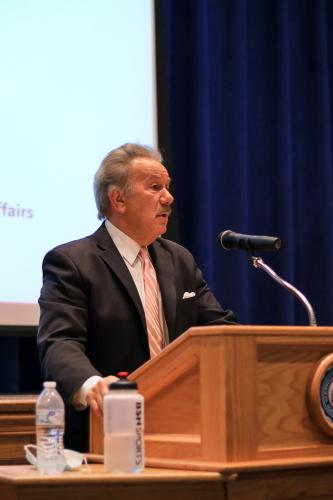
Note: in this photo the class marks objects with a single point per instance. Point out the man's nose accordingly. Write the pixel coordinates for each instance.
(167, 198)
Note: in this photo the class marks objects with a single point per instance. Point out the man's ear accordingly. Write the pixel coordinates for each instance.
(117, 200)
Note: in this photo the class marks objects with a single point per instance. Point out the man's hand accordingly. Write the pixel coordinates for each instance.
(95, 395)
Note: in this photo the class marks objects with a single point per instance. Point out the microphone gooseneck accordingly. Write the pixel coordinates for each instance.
(257, 262)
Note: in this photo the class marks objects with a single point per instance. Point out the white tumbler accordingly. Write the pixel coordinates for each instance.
(123, 427)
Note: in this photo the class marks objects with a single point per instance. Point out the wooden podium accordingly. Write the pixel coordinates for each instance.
(237, 398)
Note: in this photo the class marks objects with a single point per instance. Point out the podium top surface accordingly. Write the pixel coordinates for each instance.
(27, 474)
(277, 330)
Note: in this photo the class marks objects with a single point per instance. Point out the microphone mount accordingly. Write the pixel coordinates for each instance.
(257, 262)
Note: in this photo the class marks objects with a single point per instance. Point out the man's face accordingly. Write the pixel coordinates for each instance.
(147, 204)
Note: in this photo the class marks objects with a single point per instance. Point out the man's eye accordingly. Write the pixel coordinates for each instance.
(156, 187)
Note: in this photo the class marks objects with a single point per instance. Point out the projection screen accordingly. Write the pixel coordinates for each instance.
(77, 80)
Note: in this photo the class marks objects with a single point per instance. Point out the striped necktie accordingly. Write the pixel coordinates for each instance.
(155, 332)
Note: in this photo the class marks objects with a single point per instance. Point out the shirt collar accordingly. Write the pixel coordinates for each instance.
(127, 247)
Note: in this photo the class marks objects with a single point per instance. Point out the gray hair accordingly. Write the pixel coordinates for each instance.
(114, 172)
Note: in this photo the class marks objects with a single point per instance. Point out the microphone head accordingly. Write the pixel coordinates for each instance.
(229, 240)
(225, 241)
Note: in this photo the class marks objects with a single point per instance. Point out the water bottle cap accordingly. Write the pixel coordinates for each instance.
(50, 385)
(123, 383)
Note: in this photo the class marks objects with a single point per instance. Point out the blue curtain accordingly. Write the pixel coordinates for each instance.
(249, 86)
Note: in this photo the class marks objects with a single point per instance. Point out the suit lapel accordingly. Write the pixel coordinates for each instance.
(165, 271)
(113, 259)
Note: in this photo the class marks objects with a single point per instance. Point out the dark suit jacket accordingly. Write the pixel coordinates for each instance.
(92, 320)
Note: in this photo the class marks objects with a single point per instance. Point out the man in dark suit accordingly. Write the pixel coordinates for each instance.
(93, 302)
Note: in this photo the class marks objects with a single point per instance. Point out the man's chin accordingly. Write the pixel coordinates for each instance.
(163, 228)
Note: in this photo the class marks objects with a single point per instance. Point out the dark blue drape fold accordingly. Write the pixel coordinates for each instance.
(249, 92)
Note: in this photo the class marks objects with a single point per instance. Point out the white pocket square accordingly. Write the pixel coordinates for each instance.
(188, 295)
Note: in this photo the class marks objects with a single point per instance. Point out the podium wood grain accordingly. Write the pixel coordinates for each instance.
(92, 483)
(233, 398)
(18, 482)
(17, 426)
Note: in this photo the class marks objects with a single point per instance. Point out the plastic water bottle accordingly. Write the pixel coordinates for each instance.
(123, 426)
(50, 417)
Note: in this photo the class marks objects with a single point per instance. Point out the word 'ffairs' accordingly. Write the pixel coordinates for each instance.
(10, 210)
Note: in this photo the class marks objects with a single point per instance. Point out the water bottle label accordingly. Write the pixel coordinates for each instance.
(49, 417)
(139, 433)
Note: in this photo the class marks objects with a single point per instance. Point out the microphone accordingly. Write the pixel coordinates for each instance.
(229, 240)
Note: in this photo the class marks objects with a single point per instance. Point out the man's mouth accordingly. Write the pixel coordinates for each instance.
(164, 214)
